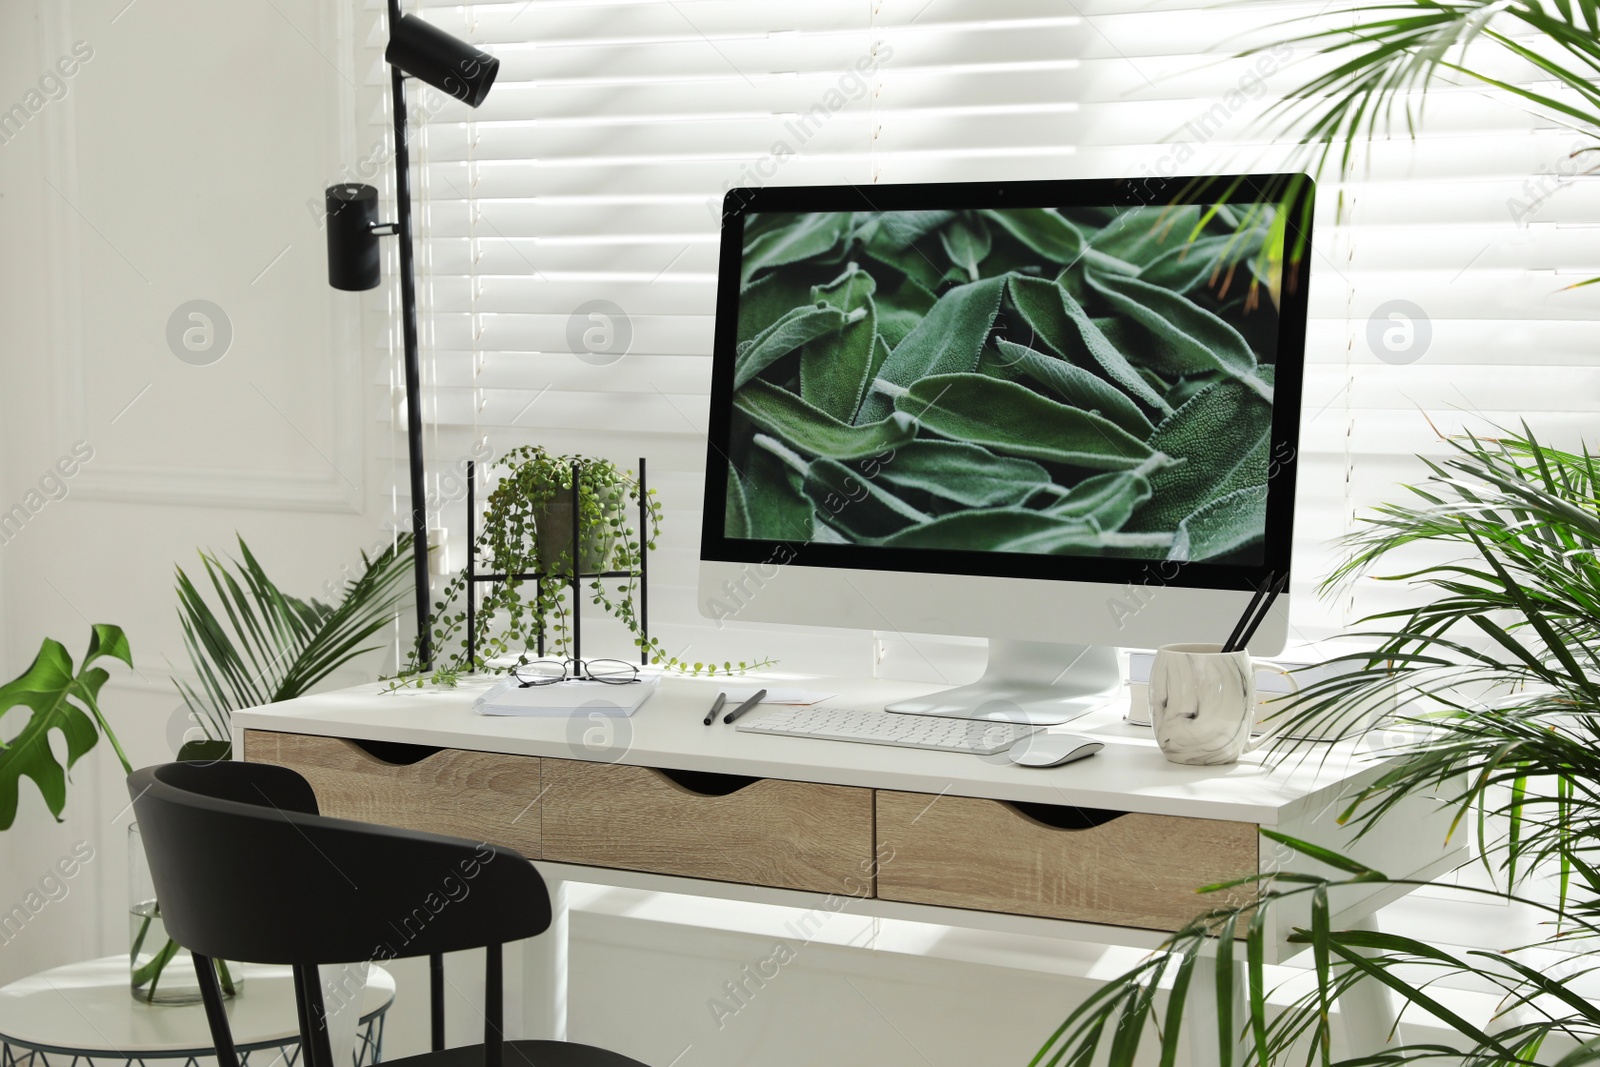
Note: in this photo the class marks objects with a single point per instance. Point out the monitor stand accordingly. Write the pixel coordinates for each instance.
(1031, 682)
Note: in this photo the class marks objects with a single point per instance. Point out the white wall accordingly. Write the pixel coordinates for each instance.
(175, 167)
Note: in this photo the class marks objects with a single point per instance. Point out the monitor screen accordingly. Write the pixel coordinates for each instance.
(1050, 378)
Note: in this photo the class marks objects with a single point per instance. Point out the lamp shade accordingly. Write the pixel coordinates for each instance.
(451, 66)
(353, 260)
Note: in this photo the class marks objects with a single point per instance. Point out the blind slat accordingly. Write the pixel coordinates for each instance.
(595, 171)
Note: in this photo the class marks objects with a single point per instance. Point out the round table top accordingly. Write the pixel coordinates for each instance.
(87, 1008)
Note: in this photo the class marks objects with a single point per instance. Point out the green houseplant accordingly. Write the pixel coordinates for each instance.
(1500, 668)
(1501, 660)
(258, 645)
(527, 528)
(1390, 50)
(62, 698)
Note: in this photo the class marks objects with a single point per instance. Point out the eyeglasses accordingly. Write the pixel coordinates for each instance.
(550, 671)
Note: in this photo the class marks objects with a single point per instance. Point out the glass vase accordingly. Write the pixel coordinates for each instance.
(160, 972)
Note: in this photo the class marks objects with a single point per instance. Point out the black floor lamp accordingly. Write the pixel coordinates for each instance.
(424, 52)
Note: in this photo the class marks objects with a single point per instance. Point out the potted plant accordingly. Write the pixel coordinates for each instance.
(1500, 671)
(1500, 663)
(528, 529)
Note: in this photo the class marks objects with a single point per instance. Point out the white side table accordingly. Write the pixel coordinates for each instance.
(84, 1011)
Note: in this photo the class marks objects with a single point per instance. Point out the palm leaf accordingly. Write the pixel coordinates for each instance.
(1345, 958)
(1497, 668)
(259, 645)
(1392, 53)
(1396, 49)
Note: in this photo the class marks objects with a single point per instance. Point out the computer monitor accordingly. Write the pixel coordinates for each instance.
(1062, 415)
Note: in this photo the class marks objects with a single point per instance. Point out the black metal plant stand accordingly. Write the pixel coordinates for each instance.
(575, 582)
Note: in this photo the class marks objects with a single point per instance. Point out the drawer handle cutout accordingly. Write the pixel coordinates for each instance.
(707, 783)
(1065, 816)
(396, 753)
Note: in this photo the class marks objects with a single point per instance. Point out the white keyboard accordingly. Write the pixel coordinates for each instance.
(977, 736)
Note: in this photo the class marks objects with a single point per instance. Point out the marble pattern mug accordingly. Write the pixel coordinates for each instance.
(1203, 703)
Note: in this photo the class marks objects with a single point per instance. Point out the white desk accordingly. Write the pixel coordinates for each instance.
(907, 834)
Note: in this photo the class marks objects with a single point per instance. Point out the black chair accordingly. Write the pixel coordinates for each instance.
(246, 870)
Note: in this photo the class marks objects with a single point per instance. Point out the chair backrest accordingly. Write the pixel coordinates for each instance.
(245, 869)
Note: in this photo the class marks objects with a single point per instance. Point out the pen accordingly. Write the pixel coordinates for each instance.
(722, 698)
(761, 695)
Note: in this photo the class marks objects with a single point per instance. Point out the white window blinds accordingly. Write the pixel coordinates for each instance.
(594, 170)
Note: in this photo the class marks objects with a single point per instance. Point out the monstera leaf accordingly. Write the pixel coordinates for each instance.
(62, 698)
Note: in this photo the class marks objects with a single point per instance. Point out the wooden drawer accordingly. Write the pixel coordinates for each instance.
(484, 796)
(1057, 862)
(759, 831)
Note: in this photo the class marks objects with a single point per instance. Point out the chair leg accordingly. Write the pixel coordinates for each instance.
(494, 996)
(302, 1018)
(211, 994)
(436, 998)
(314, 1046)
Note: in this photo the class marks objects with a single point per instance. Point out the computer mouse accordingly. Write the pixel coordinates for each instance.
(1045, 749)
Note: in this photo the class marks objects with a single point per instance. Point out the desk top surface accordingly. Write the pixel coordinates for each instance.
(1129, 774)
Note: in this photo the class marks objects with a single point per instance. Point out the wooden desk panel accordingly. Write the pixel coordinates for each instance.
(484, 796)
(791, 835)
(1133, 870)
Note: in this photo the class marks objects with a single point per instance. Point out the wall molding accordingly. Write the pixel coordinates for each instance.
(218, 487)
(341, 489)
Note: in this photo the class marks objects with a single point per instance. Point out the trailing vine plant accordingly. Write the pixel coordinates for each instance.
(526, 530)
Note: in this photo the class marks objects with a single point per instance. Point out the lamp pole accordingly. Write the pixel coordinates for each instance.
(413, 370)
(420, 50)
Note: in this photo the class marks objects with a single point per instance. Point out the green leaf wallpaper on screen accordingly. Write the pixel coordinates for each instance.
(1090, 381)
